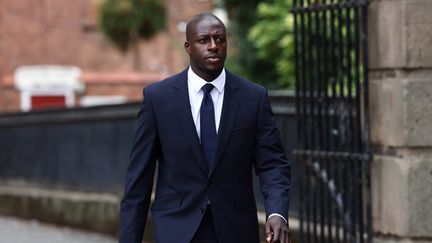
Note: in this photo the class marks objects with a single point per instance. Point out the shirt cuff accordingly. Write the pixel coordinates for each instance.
(276, 214)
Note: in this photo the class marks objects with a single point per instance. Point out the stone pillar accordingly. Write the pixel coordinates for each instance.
(400, 59)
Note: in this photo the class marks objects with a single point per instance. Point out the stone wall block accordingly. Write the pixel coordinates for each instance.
(420, 197)
(418, 101)
(389, 239)
(385, 35)
(390, 195)
(401, 111)
(400, 34)
(418, 24)
(387, 111)
(402, 194)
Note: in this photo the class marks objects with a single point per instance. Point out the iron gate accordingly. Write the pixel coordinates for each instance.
(333, 129)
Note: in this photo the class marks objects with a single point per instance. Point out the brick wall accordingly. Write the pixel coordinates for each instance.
(64, 32)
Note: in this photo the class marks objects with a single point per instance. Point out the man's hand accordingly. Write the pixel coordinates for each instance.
(277, 230)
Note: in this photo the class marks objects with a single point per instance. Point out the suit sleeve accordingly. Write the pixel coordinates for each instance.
(139, 179)
(271, 165)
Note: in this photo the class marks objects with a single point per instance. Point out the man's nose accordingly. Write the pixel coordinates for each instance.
(212, 44)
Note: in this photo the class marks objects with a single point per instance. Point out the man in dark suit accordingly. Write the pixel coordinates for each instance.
(205, 129)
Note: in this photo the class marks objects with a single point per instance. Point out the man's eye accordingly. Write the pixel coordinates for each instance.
(220, 39)
(202, 40)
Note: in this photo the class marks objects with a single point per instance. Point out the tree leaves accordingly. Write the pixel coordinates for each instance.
(273, 38)
(122, 21)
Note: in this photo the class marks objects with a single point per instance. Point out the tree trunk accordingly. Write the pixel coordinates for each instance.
(134, 39)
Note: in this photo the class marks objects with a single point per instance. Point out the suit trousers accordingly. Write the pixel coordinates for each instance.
(206, 232)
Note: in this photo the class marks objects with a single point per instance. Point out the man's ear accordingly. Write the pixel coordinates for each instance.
(187, 47)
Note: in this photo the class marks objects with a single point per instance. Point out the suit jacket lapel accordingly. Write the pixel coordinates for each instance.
(181, 96)
(228, 117)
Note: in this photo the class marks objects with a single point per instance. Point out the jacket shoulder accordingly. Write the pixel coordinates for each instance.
(163, 85)
(245, 84)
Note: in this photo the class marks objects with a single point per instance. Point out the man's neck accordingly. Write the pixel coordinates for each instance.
(206, 75)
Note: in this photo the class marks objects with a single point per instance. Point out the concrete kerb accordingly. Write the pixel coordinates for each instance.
(97, 212)
(90, 211)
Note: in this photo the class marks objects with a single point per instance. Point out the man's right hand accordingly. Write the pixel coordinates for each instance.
(277, 231)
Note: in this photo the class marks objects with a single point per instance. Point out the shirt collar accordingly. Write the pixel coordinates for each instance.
(196, 82)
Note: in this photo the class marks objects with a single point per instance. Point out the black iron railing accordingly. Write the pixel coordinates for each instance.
(87, 149)
(333, 130)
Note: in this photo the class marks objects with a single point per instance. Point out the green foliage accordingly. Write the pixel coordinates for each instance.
(243, 59)
(261, 32)
(123, 21)
(273, 39)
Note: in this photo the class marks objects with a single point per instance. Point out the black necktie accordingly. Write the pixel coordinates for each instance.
(208, 126)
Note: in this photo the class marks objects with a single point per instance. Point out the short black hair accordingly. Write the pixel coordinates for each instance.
(199, 17)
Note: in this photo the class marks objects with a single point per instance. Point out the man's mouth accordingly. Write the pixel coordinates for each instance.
(213, 58)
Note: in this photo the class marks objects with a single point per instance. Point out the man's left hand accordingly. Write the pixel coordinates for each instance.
(277, 231)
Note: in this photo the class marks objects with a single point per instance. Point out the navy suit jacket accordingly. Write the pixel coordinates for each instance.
(166, 138)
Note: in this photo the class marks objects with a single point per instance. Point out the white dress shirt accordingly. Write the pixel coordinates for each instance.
(196, 94)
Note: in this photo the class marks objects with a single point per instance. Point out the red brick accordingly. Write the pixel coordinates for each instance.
(57, 32)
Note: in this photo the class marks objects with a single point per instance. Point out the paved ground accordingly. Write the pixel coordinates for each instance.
(14, 230)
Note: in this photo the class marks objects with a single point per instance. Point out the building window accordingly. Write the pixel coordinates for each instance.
(48, 86)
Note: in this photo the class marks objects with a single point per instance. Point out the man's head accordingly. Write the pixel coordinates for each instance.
(206, 44)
